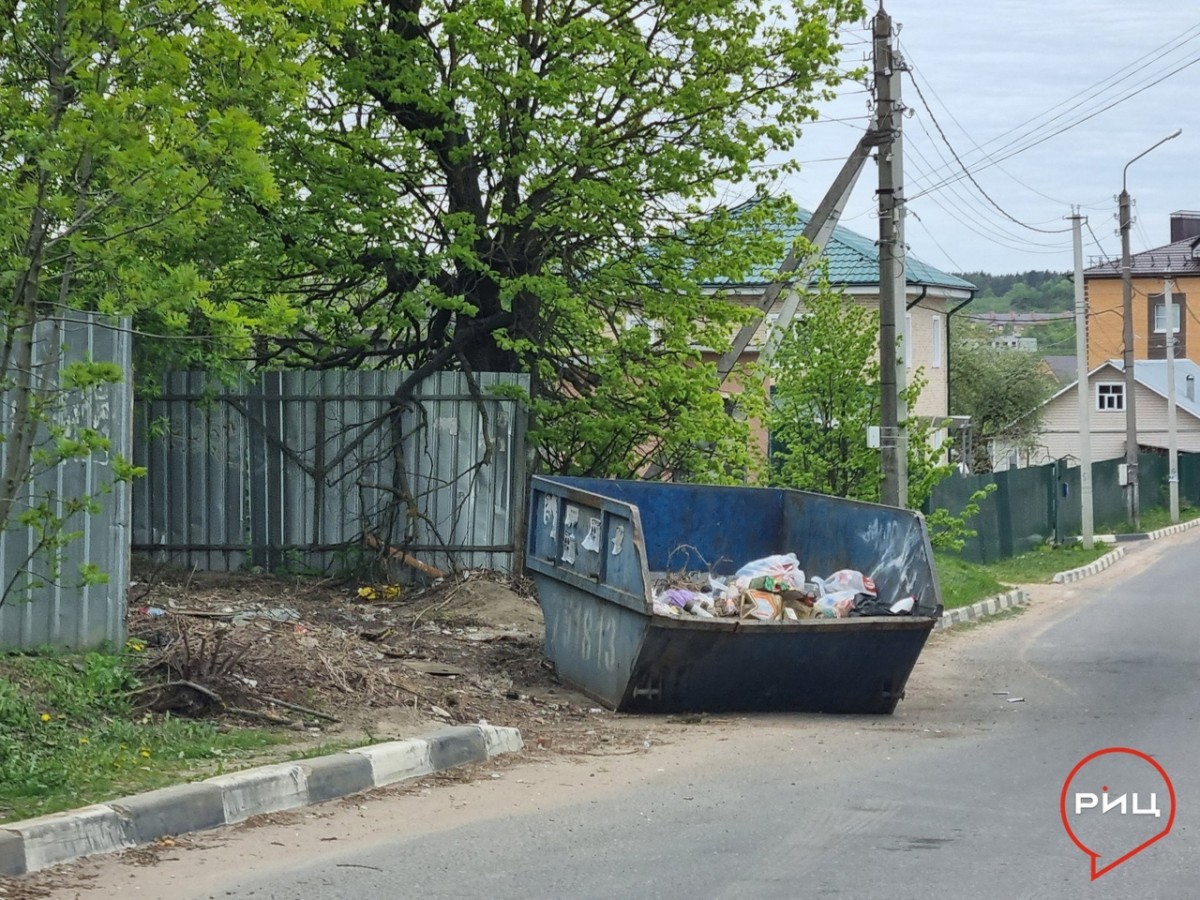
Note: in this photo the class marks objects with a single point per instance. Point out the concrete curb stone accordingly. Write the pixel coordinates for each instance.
(171, 810)
(34, 844)
(1097, 565)
(980, 610)
(1173, 529)
(266, 789)
(12, 853)
(330, 777)
(64, 836)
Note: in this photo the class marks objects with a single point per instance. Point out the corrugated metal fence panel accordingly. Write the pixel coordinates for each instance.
(63, 612)
(468, 506)
(307, 467)
(190, 508)
(1108, 497)
(1029, 503)
(1018, 515)
(1189, 477)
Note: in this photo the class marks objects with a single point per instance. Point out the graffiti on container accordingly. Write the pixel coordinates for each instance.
(582, 628)
(901, 554)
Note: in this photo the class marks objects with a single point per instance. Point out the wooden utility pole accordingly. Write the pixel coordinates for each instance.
(889, 113)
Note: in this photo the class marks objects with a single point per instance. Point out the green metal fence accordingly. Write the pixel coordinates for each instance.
(1040, 503)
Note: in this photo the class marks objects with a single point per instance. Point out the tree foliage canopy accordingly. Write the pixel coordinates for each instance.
(128, 128)
(827, 394)
(501, 186)
(1001, 390)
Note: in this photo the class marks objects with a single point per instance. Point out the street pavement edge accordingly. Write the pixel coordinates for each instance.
(34, 844)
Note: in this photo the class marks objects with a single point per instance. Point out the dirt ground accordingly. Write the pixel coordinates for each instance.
(344, 663)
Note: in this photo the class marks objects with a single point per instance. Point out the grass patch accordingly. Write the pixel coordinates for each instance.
(963, 583)
(70, 734)
(1158, 517)
(1041, 565)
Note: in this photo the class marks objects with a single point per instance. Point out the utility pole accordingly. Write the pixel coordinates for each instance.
(1172, 440)
(1085, 394)
(889, 112)
(1131, 437)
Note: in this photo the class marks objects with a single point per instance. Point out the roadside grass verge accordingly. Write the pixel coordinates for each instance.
(1158, 517)
(964, 583)
(71, 734)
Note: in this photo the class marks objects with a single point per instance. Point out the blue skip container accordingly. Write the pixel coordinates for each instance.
(595, 547)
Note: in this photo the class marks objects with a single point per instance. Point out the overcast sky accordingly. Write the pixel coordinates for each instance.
(1000, 75)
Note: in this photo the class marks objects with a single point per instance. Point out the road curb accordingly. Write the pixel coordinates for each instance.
(1173, 529)
(1097, 565)
(981, 610)
(33, 844)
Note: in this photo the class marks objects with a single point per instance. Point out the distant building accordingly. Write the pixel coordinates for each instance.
(1059, 434)
(1015, 342)
(1179, 261)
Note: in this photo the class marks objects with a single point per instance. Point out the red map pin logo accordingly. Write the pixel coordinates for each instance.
(1075, 804)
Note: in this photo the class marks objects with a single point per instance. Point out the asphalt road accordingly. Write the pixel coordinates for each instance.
(956, 796)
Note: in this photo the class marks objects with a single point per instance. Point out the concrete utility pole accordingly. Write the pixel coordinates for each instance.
(889, 112)
(1085, 394)
(1172, 441)
(1127, 358)
(1131, 438)
(816, 233)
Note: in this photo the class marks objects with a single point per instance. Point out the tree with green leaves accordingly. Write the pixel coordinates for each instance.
(826, 395)
(487, 185)
(1001, 390)
(129, 130)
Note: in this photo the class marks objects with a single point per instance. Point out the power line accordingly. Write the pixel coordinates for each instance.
(914, 73)
(1018, 148)
(1096, 90)
(967, 200)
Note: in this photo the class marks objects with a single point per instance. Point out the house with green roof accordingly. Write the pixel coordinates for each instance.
(932, 297)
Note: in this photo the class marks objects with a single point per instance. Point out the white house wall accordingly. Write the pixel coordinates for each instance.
(1060, 427)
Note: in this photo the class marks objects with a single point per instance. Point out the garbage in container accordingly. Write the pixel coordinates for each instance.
(611, 633)
(783, 595)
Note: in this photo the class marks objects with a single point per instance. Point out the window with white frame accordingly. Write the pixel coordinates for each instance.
(1160, 317)
(1110, 396)
(935, 324)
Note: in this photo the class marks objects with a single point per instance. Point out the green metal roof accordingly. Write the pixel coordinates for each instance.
(853, 259)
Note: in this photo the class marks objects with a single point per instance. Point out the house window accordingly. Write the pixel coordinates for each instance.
(1110, 397)
(1166, 325)
(908, 343)
(935, 323)
(1160, 318)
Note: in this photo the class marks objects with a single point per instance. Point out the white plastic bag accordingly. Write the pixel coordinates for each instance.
(784, 566)
(849, 580)
(836, 605)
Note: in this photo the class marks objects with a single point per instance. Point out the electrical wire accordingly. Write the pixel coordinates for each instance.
(1021, 144)
(914, 71)
(967, 172)
(1096, 240)
(1097, 89)
(1035, 246)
